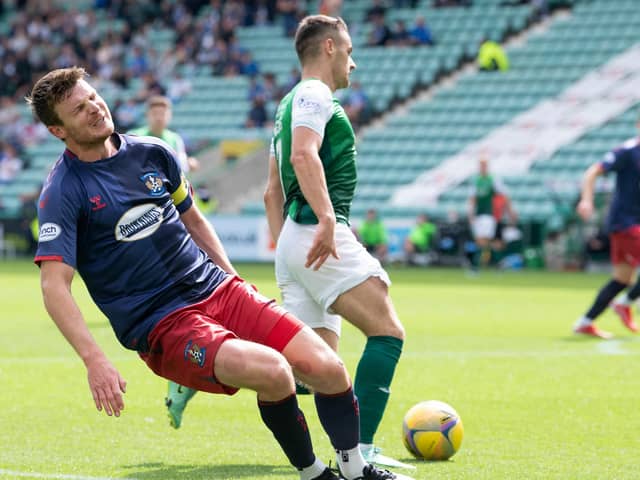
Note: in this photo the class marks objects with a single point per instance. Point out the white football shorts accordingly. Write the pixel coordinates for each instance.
(308, 293)
(484, 226)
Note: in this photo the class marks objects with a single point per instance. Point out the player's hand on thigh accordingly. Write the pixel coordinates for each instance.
(324, 244)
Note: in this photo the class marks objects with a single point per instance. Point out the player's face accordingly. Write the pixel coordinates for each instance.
(158, 118)
(343, 63)
(86, 119)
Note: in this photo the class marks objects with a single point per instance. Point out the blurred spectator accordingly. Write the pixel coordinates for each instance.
(331, 8)
(400, 36)
(127, 114)
(356, 104)
(492, 57)
(419, 243)
(257, 117)
(379, 35)
(271, 90)
(373, 235)
(292, 80)
(290, 12)
(452, 3)
(405, 3)
(377, 9)
(256, 88)
(421, 33)
(248, 65)
(10, 163)
(453, 239)
(179, 86)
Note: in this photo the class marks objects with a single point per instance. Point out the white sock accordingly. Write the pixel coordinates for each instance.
(583, 322)
(312, 471)
(351, 463)
(624, 300)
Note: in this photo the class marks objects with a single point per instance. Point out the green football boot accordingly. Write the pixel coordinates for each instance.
(176, 401)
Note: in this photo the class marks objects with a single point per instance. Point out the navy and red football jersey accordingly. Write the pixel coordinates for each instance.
(116, 221)
(625, 206)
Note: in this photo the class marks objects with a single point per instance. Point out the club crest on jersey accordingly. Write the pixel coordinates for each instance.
(154, 183)
(194, 354)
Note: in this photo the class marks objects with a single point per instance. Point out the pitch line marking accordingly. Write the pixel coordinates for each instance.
(60, 476)
(611, 347)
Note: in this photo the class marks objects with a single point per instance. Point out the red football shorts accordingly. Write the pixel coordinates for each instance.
(183, 345)
(625, 246)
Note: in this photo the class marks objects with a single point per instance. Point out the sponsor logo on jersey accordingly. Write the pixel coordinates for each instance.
(308, 106)
(194, 354)
(154, 183)
(97, 203)
(48, 232)
(139, 222)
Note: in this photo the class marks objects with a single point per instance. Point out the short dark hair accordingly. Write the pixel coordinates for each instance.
(312, 30)
(158, 101)
(52, 89)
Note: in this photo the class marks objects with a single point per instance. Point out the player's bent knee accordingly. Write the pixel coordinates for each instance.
(328, 375)
(277, 376)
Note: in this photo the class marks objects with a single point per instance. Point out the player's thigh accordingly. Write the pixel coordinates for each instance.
(625, 253)
(315, 363)
(245, 364)
(368, 306)
(623, 272)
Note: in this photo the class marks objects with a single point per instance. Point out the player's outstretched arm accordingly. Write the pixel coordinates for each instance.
(310, 175)
(274, 200)
(106, 384)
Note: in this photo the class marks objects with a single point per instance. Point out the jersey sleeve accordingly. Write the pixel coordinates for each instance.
(179, 187)
(312, 107)
(618, 158)
(59, 211)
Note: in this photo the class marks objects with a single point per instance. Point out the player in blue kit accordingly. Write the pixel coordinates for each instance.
(624, 231)
(118, 210)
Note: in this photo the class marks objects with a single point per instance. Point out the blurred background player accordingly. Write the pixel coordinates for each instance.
(373, 235)
(623, 225)
(158, 117)
(481, 212)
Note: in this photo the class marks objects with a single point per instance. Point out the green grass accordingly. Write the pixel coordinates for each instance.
(536, 402)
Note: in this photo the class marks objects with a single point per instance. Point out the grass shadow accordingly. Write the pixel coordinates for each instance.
(161, 471)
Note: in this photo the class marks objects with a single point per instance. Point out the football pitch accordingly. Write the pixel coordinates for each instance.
(536, 402)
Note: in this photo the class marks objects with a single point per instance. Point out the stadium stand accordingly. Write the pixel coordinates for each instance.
(406, 145)
(542, 68)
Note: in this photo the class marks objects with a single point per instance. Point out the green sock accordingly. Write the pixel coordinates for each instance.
(373, 378)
